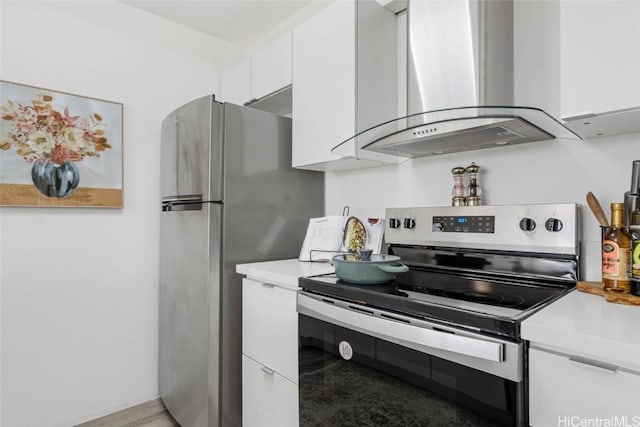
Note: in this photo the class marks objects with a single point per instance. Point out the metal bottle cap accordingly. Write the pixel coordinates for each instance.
(458, 170)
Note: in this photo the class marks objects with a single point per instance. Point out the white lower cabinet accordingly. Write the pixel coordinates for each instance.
(270, 327)
(566, 390)
(269, 355)
(268, 399)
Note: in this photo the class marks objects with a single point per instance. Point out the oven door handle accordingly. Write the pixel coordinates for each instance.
(398, 332)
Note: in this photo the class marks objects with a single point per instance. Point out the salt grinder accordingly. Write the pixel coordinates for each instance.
(473, 189)
(459, 191)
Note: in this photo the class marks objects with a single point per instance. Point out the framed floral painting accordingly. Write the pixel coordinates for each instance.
(59, 149)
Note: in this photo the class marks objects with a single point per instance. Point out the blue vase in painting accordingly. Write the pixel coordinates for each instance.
(55, 180)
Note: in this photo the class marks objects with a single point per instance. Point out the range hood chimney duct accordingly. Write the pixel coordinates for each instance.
(460, 85)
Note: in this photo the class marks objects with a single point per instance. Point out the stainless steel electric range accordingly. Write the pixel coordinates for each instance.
(440, 345)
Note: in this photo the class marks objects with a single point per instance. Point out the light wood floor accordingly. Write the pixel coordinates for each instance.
(148, 414)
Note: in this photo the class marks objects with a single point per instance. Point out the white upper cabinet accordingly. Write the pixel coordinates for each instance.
(344, 74)
(600, 66)
(580, 61)
(266, 71)
(271, 67)
(235, 83)
(600, 56)
(324, 82)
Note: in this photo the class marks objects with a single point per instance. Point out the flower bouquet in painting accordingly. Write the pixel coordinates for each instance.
(52, 141)
(54, 138)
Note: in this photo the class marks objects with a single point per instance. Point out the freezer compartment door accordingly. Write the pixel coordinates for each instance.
(189, 314)
(191, 156)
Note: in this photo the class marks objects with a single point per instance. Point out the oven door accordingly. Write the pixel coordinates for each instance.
(361, 366)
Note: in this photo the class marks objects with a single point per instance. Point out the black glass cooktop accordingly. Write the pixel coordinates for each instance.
(514, 295)
(496, 305)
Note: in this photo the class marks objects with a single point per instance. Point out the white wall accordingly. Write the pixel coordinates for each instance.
(79, 287)
(542, 172)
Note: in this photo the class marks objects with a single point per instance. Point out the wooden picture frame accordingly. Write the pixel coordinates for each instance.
(59, 149)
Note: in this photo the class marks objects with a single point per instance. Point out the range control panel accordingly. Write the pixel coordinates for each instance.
(463, 224)
(544, 228)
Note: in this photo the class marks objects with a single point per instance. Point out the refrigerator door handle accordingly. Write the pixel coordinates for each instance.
(185, 203)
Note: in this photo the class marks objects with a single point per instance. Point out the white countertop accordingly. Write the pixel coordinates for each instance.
(284, 273)
(586, 325)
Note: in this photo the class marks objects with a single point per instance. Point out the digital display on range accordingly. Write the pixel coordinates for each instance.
(464, 224)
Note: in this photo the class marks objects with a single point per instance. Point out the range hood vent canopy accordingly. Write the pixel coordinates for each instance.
(457, 129)
(460, 86)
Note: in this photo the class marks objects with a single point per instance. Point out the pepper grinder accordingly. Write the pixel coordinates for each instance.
(632, 197)
(459, 191)
(473, 188)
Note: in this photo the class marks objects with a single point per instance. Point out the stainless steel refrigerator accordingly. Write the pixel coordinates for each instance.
(229, 196)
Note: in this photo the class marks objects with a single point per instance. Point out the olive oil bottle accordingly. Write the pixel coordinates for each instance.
(616, 251)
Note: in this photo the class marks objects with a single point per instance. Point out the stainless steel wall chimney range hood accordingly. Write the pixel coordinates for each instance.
(460, 85)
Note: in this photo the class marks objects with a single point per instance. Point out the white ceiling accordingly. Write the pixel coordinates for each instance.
(242, 22)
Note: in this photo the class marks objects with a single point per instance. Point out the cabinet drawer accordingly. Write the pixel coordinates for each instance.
(270, 327)
(561, 388)
(267, 398)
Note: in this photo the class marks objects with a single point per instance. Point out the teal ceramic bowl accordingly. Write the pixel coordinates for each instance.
(378, 269)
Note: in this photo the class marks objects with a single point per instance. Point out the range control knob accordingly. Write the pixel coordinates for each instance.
(527, 224)
(394, 223)
(409, 223)
(553, 224)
